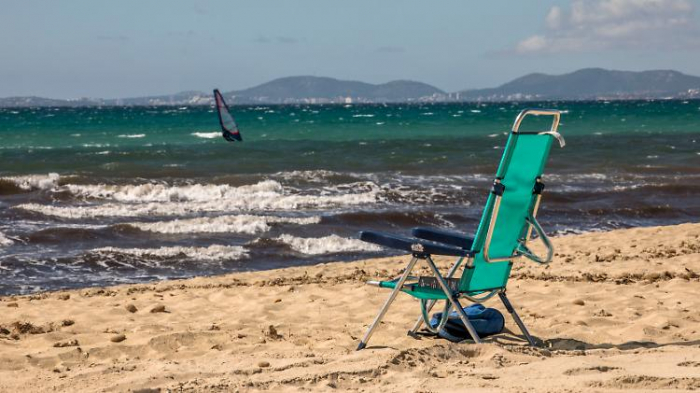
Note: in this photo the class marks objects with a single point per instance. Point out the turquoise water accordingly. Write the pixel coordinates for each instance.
(93, 196)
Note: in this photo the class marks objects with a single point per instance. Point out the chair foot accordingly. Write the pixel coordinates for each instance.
(385, 307)
(361, 346)
(516, 318)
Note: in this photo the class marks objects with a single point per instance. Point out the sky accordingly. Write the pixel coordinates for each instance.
(129, 48)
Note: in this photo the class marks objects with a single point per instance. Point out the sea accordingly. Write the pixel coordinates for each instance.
(102, 196)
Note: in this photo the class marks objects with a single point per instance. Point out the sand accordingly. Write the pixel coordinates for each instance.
(614, 311)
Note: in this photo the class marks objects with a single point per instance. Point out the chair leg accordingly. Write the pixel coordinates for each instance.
(452, 299)
(392, 297)
(515, 316)
(419, 321)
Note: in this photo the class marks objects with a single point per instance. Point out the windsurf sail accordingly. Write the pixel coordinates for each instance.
(229, 127)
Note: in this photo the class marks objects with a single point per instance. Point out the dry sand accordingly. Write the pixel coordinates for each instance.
(614, 311)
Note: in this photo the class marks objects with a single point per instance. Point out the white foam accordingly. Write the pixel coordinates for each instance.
(362, 115)
(131, 136)
(162, 200)
(211, 253)
(318, 175)
(4, 241)
(35, 182)
(248, 224)
(579, 176)
(165, 193)
(206, 135)
(326, 245)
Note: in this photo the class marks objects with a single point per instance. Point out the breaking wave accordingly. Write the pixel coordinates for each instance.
(165, 193)
(211, 253)
(131, 136)
(34, 182)
(206, 135)
(246, 224)
(4, 241)
(316, 176)
(162, 200)
(332, 244)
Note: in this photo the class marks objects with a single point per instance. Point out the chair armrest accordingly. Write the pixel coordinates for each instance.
(452, 238)
(412, 245)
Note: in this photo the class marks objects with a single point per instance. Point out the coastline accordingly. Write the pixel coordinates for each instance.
(614, 310)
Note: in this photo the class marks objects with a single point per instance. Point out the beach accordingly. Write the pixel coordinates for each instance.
(615, 310)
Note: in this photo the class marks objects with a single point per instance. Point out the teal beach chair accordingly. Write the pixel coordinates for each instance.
(506, 226)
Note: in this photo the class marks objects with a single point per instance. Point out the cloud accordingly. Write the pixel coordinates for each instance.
(391, 49)
(600, 25)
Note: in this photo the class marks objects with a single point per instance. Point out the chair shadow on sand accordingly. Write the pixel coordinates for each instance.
(508, 337)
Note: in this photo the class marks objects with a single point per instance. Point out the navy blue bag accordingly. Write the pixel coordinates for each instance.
(486, 322)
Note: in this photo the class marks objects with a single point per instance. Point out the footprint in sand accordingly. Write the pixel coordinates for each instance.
(69, 343)
(590, 370)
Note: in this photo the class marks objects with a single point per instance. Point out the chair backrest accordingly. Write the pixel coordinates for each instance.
(513, 199)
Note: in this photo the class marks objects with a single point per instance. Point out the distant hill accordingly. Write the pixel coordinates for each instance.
(592, 83)
(293, 89)
(585, 84)
(319, 89)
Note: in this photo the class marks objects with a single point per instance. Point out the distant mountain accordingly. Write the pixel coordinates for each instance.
(592, 83)
(294, 89)
(585, 84)
(319, 89)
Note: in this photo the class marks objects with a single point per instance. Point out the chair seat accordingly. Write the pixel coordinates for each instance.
(412, 244)
(451, 238)
(414, 289)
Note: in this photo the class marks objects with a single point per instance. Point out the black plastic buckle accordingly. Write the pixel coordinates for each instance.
(539, 187)
(498, 188)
